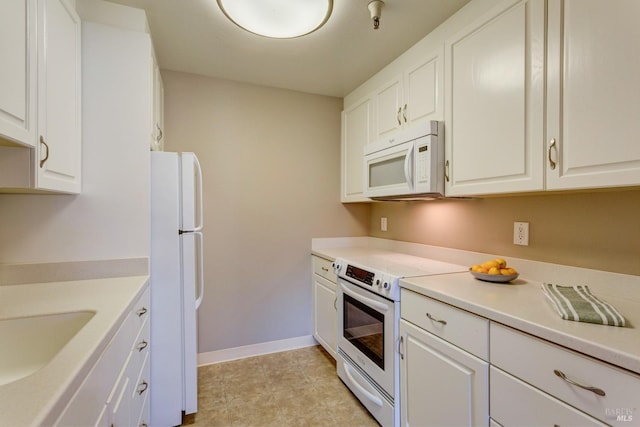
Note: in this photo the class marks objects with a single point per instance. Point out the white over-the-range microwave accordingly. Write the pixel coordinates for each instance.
(406, 165)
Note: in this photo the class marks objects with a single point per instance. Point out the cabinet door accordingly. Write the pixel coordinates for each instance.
(593, 94)
(356, 133)
(325, 313)
(495, 113)
(389, 106)
(440, 384)
(18, 71)
(423, 86)
(59, 79)
(157, 136)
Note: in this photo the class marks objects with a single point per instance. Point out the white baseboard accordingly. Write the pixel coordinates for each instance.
(235, 353)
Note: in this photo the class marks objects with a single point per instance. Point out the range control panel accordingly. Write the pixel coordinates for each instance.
(360, 275)
(374, 280)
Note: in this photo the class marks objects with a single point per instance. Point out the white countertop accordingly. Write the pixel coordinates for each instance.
(37, 399)
(520, 304)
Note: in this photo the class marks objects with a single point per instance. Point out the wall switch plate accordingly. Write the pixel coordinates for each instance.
(521, 233)
(383, 223)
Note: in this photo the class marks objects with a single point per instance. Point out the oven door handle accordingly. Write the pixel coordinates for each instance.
(370, 396)
(368, 301)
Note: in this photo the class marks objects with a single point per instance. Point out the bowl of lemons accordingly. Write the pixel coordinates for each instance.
(494, 270)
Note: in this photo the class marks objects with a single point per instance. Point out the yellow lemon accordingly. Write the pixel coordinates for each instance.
(494, 270)
(490, 264)
(501, 263)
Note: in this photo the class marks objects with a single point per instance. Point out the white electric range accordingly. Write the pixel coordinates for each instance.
(368, 297)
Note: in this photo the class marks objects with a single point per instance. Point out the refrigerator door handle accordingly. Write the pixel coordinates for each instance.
(199, 195)
(199, 238)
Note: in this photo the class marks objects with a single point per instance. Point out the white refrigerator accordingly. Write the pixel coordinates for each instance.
(177, 284)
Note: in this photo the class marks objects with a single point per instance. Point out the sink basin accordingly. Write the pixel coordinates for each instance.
(29, 343)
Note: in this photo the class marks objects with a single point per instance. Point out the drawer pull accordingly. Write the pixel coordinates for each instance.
(595, 390)
(142, 345)
(141, 312)
(142, 387)
(325, 269)
(143, 425)
(444, 322)
(401, 347)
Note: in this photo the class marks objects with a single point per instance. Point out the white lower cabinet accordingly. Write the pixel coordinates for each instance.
(598, 391)
(324, 305)
(440, 383)
(516, 403)
(115, 392)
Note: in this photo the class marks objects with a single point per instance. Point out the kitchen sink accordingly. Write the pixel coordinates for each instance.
(29, 343)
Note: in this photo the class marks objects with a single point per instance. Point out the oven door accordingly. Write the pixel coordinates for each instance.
(367, 327)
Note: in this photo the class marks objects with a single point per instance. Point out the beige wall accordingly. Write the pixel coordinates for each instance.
(599, 230)
(271, 183)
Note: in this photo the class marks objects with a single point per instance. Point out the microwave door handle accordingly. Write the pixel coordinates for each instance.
(408, 167)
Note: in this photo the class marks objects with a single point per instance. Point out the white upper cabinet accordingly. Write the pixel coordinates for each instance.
(388, 106)
(494, 118)
(593, 94)
(423, 87)
(18, 71)
(59, 97)
(356, 133)
(410, 97)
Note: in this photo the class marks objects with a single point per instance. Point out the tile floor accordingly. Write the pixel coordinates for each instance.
(293, 388)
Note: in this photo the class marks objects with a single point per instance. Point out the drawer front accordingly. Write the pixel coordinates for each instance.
(140, 310)
(97, 387)
(141, 344)
(463, 329)
(141, 390)
(534, 361)
(323, 267)
(514, 402)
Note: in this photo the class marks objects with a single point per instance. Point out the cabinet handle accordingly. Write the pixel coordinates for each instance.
(443, 322)
(552, 144)
(400, 347)
(595, 390)
(141, 312)
(398, 116)
(142, 387)
(142, 345)
(325, 269)
(335, 303)
(143, 425)
(159, 138)
(404, 113)
(46, 157)
(446, 170)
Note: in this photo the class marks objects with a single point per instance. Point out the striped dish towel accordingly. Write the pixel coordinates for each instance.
(577, 303)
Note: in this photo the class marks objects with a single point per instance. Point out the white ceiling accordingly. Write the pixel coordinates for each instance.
(194, 36)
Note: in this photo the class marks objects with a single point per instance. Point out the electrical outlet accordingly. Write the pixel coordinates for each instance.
(521, 233)
(383, 223)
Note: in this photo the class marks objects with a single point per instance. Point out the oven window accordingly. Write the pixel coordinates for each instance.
(364, 328)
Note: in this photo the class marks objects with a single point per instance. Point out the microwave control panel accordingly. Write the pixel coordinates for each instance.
(423, 163)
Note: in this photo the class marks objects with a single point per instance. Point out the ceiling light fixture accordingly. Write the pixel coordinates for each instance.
(375, 10)
(278, 19)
